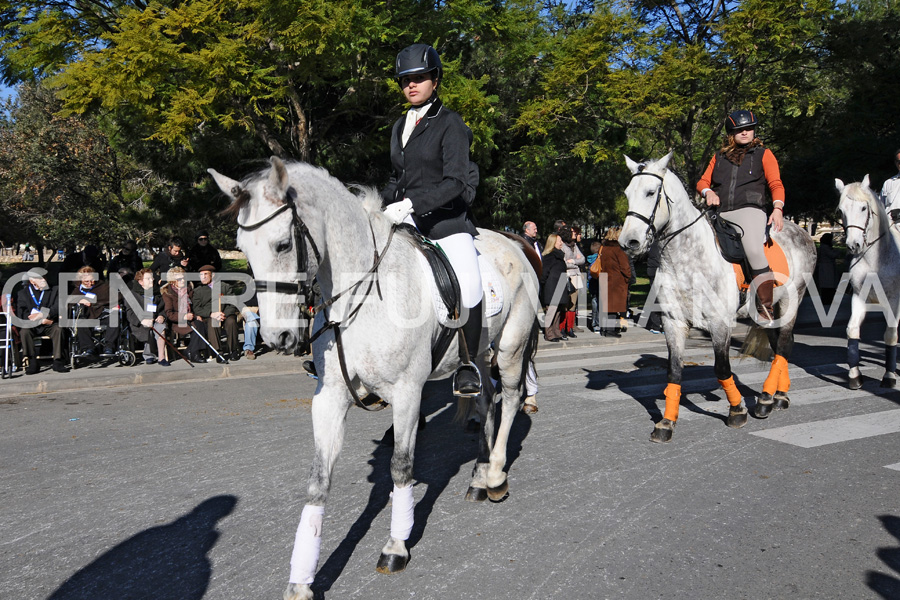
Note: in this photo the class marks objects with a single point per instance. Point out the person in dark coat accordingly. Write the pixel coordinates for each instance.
(208, 307)
(654, 321)
(433, 185)
(91, 303)
(38, 303)
(126, 258)
(169, 258)
(826, 268)
(204, 253)
(144, 311)
(613, 288)
(554, 278)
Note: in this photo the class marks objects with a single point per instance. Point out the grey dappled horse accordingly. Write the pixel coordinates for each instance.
(874, 244)
(295, 220)
(697, 288)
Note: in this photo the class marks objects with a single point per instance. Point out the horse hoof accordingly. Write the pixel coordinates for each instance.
(737, 416)
(855, 382)
(781, 401)
(475, 494)
(889, 382)
(391, 563)
(662, 432)
(297, 591)
(499, 493)
(763, 406)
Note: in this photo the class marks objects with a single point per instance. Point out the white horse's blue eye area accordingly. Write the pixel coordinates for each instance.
(651, 193)
(282, 245)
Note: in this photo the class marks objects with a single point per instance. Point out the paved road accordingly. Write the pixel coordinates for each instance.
(193, 489)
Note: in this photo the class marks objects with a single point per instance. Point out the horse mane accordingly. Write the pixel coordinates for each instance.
(857, 192)
(371, 199)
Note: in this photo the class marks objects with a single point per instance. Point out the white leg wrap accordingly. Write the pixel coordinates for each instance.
(307, 543)
(531, 385)
(402, 512)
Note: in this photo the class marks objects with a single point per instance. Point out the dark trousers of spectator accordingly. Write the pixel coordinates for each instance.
(28, 334)
(230, 327)
(86, 340)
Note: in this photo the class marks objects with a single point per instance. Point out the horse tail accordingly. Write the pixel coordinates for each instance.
(757, 344)
(465, 406)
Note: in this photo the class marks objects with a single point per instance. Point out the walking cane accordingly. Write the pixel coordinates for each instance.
(7, 339)
(172, 346)
(216, 352)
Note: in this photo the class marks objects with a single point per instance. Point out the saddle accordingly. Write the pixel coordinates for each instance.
(729, 241)
(447, 286)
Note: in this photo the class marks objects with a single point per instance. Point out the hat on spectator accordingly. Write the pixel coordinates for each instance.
(209, 268)
(36, 273)
(202, 234)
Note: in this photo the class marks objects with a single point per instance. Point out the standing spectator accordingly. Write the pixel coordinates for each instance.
(574, 260)
(654, 321)
(890, 191)
(208, 307)
(553, 283)
(126, 258)
(147, 311)
(592, 285)
(530, 233)
(614, 287)
(90, 256)
(39, 303)
(177, 296)
(204, 253)
(826, 269)
(169, 258)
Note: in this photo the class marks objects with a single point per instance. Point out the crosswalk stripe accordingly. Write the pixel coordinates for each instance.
(895, 467)
(833, 431)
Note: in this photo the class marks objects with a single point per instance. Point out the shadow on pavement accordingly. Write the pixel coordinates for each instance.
(887, 586)
(168, 562)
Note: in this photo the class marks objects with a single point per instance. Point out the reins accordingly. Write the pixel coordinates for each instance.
(301, 288)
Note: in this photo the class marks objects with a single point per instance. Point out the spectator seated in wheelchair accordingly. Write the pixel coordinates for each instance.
(90, 302)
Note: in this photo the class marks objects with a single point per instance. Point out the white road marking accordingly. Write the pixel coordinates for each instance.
(833, 431)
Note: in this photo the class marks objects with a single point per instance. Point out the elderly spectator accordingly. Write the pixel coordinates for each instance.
(90, 300)
(208, 307)
(146, 314)
(177, 296)
(38, 302)
(530, 233)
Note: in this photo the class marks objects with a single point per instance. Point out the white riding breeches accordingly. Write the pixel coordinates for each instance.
(460, 250)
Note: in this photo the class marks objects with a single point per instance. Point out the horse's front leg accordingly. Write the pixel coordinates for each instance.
(329, 413)
(406, 402)
(857, 315)
(676, 334)
(890, 357)
(737, 412)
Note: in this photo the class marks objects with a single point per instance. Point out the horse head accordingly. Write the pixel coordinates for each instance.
(648, 205)
(862, 215)
(277, 243)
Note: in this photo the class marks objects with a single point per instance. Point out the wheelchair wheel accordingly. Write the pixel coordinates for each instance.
(127, 358)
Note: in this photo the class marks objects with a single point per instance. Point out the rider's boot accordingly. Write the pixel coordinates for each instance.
(467, 380)
(765, 292)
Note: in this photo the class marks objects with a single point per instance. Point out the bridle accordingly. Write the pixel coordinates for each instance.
(660, 194)
(865, 232)
(302, 288)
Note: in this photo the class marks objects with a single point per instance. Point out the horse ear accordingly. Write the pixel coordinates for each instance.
(226, 184)
(839, 185)
(865, 181)
(664, 161)
(632, 166)
(278, 177)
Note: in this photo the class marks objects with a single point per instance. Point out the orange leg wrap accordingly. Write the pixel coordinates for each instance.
(731, 391)
(673, 399)
(784, 381)
(779, 366)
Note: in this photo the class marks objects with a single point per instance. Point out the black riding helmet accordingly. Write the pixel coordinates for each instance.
(740, 119)
(418, 58)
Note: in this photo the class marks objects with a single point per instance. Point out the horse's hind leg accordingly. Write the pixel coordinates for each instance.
(676, 334)
(737, 412)
(329, 412)
(890, 358)
(857, 315)
(486, 408)
(778, 382)
(395, 556)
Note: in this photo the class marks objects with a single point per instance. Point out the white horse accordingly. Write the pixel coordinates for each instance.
(697, 288)
(296, 220)
(874, 272)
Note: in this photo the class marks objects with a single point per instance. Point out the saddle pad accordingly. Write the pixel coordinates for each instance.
(777, 262)
(490, 283)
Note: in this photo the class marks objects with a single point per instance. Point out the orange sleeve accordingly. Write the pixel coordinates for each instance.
(773, 176)
(706, 179)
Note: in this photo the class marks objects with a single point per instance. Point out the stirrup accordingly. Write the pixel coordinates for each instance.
(469, 388)
(766, 316)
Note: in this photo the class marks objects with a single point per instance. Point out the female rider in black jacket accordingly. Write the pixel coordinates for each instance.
(432, 185)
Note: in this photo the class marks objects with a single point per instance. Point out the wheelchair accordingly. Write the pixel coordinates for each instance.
(123, 348)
